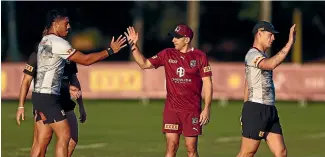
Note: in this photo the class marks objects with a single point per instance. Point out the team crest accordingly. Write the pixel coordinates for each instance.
(195, 121)
(177, 29)
(193, 63)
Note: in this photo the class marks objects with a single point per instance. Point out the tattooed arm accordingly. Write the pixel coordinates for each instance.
(276, 60)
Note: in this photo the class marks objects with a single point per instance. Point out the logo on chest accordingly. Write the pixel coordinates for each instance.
(180, 71)
(192, 63)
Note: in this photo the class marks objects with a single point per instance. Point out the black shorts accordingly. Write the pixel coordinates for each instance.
(258, 120)
(48, 108)
(66, 103)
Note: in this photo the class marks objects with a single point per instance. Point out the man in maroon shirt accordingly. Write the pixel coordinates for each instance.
(187, 71)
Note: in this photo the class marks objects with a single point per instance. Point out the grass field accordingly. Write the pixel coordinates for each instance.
(128, 129)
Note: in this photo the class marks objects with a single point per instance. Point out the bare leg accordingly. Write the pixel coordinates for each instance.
(35, 151)
(248, 147)
(44, 136)
(191, 146)
(172, 140)
(276, 144)
(62, 132)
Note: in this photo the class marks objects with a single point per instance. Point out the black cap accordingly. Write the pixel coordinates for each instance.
(264, 26)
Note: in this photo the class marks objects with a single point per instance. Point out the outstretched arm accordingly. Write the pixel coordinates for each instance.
(91, 58)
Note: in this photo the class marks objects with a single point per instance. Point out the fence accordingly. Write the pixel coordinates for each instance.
(128, 81)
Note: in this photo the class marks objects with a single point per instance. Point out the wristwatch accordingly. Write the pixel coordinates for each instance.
(110, 51)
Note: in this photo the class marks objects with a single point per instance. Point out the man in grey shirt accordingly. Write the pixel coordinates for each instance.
(259, 117)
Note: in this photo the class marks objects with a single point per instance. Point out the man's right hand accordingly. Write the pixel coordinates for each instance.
(131, 35)
(117, 45)
(20, 115)
(292, 34)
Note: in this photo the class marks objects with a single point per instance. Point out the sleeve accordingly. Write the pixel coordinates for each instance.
(73, 67)
(31, 65)
(205, 68)
(62, 48)
(253, 58)
(159, 59)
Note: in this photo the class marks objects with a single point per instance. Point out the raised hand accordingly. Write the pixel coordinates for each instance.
(117, 45)
(292, 34)
(131, 35)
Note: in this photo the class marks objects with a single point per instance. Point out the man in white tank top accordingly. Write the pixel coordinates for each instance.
(259, 117)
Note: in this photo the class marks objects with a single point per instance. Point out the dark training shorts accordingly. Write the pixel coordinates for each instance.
(47, 108)
(257, 120)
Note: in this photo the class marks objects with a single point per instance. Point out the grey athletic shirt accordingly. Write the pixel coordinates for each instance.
(260, 82)
(51, 56)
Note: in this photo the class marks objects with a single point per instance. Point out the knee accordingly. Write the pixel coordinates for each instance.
(35, 152)
(43, 140)
(64, 138)
(281, 153)
(172, 146)
(47, 137)
(191, 149)
(73, 142)
(246, 154)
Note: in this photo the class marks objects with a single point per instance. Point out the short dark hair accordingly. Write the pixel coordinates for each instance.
(52, 15)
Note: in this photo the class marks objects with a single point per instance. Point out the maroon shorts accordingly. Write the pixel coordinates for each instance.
(186, 123)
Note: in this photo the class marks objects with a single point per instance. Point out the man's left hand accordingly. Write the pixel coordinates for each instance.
(74, 92)
(204, 117)
(83, 115)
